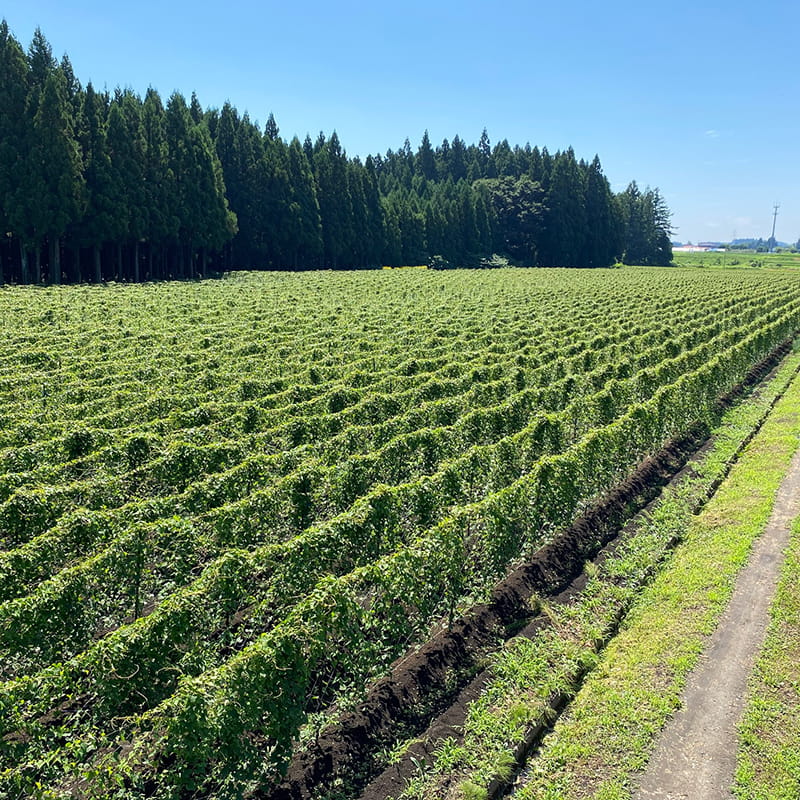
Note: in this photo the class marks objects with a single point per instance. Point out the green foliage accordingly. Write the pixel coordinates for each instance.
(147, 192)
(645, 227)
(527, 674)
(470, 791)
(518, 206)
(13, 95)
(227, 506)
(495, 261)
(769, 733)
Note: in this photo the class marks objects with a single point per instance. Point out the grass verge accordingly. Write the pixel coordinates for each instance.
(737, 259)
(769, 748)
(611, 726)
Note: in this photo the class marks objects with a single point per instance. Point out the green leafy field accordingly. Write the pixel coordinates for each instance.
(604, 741)
(737, 259)
(610, 727)
(226, 506)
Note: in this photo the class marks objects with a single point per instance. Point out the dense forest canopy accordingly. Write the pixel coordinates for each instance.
(112, 186)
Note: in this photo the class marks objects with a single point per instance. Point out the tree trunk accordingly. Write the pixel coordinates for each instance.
(55, 260)
(119, 261)
(23, 263)
(76, 260)
(136, 261)
(37, 264)
(190, 250)
(98, 272)
(149, 261)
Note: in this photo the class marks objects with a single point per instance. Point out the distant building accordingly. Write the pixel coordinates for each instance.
(690, 248)
(700, 247)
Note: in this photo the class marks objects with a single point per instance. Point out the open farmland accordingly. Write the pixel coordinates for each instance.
(226, 508)
(737, 259)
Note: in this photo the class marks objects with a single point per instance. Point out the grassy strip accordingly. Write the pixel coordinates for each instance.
(612, 726)
(769, 750)
(532, 674)
(737, 259)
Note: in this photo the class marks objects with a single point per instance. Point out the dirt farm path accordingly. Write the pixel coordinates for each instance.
(695, 757)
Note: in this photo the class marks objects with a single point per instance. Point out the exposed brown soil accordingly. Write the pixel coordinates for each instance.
(428, 690)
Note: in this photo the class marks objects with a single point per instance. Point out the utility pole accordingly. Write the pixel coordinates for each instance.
(774, 220)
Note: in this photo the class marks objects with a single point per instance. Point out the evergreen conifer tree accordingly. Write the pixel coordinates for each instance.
(458, 161)
(305, 228)
(485, 156)
(14, 136)
(565, 217)
(271, 130)
(425, 160)
(99, 222)
(330, 166)
(160, 190)
(53, 187)
(602, 231)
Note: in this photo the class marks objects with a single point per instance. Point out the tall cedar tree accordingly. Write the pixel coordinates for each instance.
(426, 160)
(305, 227)
(149, 192)
(645, 227)
(100, 223)
(55, 184)
(563, 243)
(330, 166)
(602, 227)
(13, 132)
(134, 158)
(160, 189)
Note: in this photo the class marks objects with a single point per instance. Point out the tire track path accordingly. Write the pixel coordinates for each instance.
(696, 753)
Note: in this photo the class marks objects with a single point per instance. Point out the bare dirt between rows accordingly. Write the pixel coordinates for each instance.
(427, 691)
(696, 752)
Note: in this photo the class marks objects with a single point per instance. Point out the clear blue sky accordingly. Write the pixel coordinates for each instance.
(697, 98)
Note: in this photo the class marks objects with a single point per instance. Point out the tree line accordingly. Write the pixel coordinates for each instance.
(98, 185)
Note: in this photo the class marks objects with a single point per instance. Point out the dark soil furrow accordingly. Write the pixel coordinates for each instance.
(428, 690)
